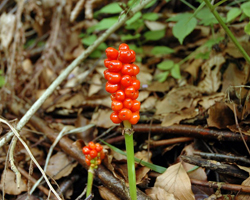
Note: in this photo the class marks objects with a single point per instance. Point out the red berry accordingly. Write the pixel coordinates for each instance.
(114, 117)
(88, 157)
(87, 161)
(123, 46)
(91, 145)
(136, 84)
(126, 80)
(127, 103)
(127, 69)
(115, 66)
(130, 92)
(116, 105)
(113, 77)
(120, 95)
(136, 94)
(85, 150)
(112, 96)
(111, 53)
(98, 147)
(106, 62)
(106, 74)
(135, 106)
(134, 118)
(126, 56)
(102, 155)
(93, 153)
(125, 114)
(112, 88)
(136, 69)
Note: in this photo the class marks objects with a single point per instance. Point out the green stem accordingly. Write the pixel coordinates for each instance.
(90, 180)
(130, 159)
(229, 33)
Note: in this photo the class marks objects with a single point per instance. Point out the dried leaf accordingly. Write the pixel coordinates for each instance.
(211, 74)
(158, 193)
(177, 99)
(60, 165)
(244, 196)
(176, 181)
(8, 181)
(154, 25)
(7, 27)
(96, 84)
(107, 194)
(149, 103)
(101, 118)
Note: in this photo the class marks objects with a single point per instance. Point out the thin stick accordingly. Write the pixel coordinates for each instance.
(67, 71)
(31, 156)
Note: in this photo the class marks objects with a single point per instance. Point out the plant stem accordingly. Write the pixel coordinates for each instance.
(90, 181)
(130, 159)
(229, 33)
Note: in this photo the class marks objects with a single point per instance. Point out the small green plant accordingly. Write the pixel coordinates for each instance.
(2, 79)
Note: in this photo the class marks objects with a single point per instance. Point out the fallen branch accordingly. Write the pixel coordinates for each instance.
(191, 131)
(220, 185)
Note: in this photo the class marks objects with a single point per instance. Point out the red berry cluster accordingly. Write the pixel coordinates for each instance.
(93, 154)
(122, 84)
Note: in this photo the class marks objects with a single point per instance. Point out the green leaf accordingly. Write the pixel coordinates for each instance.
(134, 18)
(112, 8)
(203, 56)
(106, 23)
(210, 43)
(1, 71)
(247, 28)
(154, 35)
(137, 50)
(102, 46)
(150, 16)
(183, 28)
(233, 13)
(2, 81)
(96, 54)
(89, 40)
(165, 65)
(130, 37)
(175, 71)
(207, 18)
(150, 4)
(246, 8)
(154, 167)
(161, 77)
(136, 25)
(162, 50)
(179, 17)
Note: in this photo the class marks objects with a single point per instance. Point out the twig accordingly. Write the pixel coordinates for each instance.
(77, 9)
(191, 131)
(67, 71)
(12, 164)
(224, 186)
(169, 141)
(31, 156)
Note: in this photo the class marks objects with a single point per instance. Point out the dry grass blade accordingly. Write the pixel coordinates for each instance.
(31, 156)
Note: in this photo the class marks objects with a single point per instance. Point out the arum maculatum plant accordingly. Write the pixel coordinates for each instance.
(93, 157)
(123, 86)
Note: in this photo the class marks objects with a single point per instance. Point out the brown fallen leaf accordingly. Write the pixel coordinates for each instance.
(101, 118)
(96, 84)
(242, 195)
(158, 193)
(60, 165)
(8, 181)
(107, 194)
(175, 181)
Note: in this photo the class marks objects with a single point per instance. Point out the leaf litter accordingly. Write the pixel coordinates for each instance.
(39, 41)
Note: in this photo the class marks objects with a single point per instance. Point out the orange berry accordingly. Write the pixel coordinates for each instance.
(135, 106)
(134, 118)
(114, 117)
(125, 114)
(116, 105)
(91, 145)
